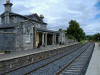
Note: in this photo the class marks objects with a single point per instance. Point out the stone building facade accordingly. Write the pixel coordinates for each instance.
(18, 32)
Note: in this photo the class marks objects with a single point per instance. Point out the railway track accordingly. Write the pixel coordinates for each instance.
(57, 58)
(55, 68)
(55, 65)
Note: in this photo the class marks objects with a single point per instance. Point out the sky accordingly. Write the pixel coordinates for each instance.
(58, 13)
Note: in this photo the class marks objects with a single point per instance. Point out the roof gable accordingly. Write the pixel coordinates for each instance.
(34, 17)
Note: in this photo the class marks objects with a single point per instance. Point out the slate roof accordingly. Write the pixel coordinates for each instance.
(34, 17)
(28, 17)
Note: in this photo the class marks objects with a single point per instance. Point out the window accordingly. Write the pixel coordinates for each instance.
(27, 39)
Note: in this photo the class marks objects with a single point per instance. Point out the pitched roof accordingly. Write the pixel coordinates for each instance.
(27, 17)
(34, 17)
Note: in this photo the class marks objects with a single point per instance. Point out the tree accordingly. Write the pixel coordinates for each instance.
(60, 30)
(74, 31)
(95, 37)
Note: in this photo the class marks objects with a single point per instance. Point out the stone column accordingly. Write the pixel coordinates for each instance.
(45, 39)
(58, 39)
(53, 39)
(42, 39)
(34, 37)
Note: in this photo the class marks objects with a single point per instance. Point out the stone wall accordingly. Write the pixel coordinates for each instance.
(12, 64)
(7, 41)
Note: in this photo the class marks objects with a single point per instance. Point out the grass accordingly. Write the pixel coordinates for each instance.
(83, 41)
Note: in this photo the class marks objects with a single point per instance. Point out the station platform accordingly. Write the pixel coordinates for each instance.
(22, 53)
(94, 66)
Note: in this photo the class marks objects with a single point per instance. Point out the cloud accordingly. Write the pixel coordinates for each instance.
(59, 12)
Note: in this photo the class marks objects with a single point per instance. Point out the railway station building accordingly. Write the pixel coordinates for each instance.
(22, 32)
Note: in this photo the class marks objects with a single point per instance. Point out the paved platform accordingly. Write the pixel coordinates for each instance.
(94, 66)
(28, 52)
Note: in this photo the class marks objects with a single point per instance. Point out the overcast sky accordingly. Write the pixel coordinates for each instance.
(58, 13)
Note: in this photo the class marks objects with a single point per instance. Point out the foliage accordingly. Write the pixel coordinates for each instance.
(83, 41)
(95, 37)
(60, 29)
(74, 31)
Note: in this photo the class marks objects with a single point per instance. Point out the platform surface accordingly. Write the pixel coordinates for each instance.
(94, 65)
(21, 53)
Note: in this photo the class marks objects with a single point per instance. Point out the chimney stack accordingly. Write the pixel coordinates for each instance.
(8, 6)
